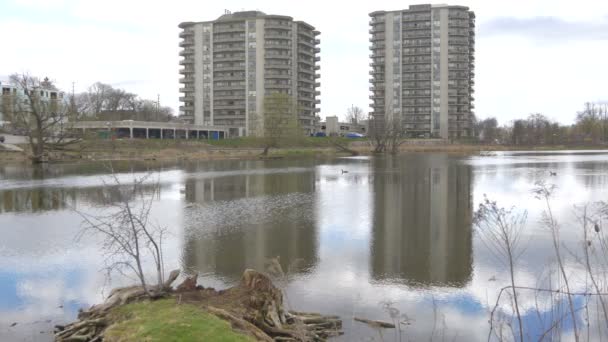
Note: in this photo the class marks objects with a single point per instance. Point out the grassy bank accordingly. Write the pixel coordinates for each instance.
(165, 320)
(251, 148)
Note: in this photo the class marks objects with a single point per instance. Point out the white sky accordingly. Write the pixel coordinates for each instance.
(545, 56)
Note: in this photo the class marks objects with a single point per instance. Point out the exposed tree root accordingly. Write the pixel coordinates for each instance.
(254, 307)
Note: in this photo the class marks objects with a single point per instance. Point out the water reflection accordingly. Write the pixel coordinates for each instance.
(239, 222)
(420, 233)
(356, 238)
(422, 221)
(43, 199)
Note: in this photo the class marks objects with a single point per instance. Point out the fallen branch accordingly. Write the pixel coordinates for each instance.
(375, 324)
(240, 324)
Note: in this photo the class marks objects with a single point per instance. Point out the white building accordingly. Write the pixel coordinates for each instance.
(13, 98)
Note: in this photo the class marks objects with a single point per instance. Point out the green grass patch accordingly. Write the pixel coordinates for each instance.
(164, 320)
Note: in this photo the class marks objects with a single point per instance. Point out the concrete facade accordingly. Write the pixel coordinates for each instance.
(232, 63)
(422, 73)
(333, 127)
(13, 98)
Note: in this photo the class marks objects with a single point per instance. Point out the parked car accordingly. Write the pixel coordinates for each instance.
(1, 139)
(320, 135)
(354, 135)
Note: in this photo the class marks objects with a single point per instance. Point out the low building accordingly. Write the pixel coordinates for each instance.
(14, 99)
(333, 127)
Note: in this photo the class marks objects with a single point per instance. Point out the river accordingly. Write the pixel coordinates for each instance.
(388, 236)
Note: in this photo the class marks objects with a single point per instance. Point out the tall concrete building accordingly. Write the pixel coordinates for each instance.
(423, 70)
(232, 63)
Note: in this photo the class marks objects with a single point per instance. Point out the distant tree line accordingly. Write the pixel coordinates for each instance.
(104, 102)
(590, 126)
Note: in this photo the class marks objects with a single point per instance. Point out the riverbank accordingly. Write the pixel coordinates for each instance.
(252, 148)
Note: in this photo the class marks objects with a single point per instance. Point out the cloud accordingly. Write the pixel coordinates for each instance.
(548, 29)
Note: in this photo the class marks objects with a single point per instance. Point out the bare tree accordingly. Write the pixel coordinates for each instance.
(104, 102)
(41, 114)
(387, 133)
(500, 229)
(279, 121)
(130, 240)
(354, 114)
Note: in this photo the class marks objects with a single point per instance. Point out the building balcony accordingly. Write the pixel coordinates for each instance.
(229, 68)
(317, 58)
(317, 93)
(235, 58)
(228, 87)
(229, 97)
(186, 34)
(306, 70)
(277, 56)
(186, 108)
(278, 76)
(228, 39)
(186, 52)
(376, 29)
(306, 34)
(277, 46)
(317, 50)
(187, 61)
(186, 80)
(306, 42)
(186, 43)
(417, 34)
(268, 35)
(307, 52)
(317, 67)
(270, 65)
(308, 80)
(277, 86)
(186, 71)
(226, 29)
(283, 27)
(232, 48)
(377, 20)
(317, 41)
(187, 88)
(228, 77)
(317, 75)
(229, 107)
(414, 18)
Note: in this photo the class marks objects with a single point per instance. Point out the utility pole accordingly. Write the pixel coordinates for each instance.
(157, 107)
(73, 102)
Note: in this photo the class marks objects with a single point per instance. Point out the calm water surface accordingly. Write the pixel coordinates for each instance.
(391, 230)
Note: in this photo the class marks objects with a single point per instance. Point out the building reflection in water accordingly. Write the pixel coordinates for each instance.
(422, 221)
(240, 221)
(42, 199)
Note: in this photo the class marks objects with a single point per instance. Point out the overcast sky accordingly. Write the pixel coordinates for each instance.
(546, 56)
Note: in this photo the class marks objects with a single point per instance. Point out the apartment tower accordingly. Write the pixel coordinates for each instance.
(423, 70)
(232, 63)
